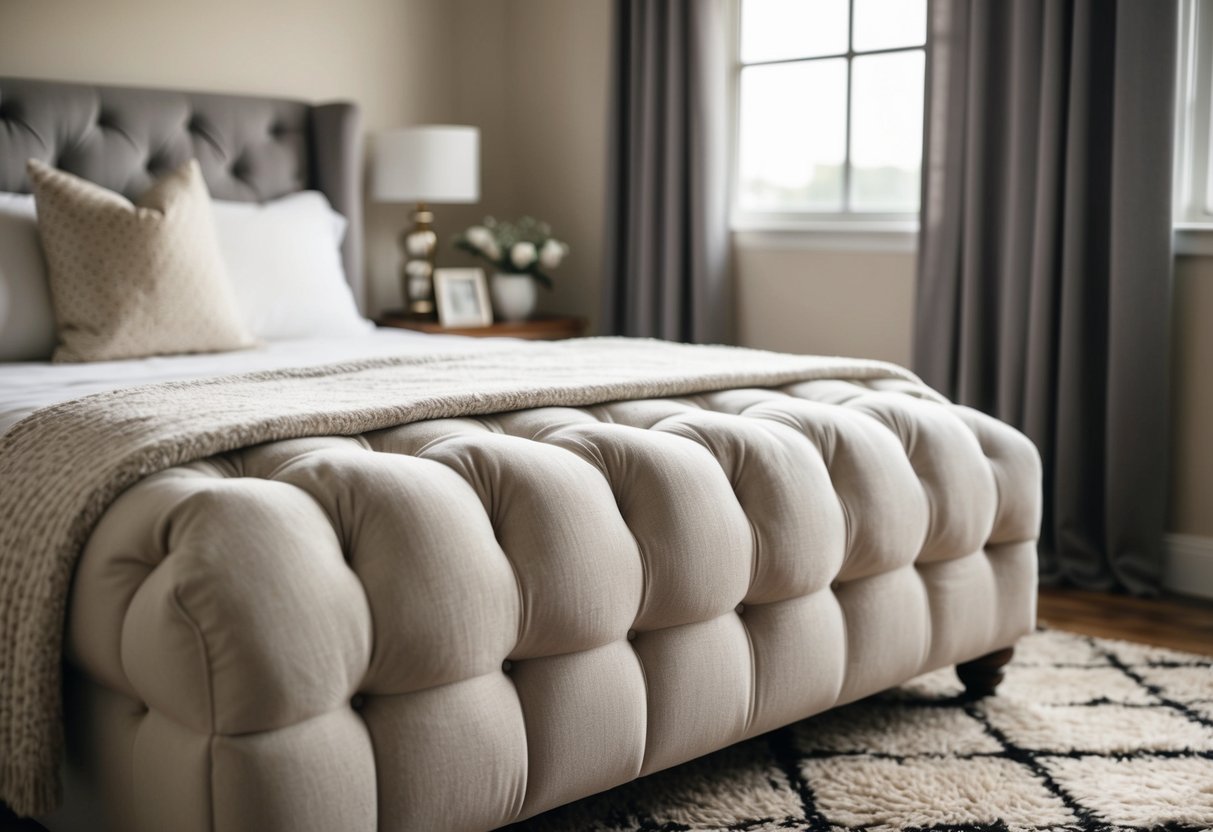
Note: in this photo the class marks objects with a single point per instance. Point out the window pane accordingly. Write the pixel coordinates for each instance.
(793, 136)
(1201, 118)
(772, 30)
(887, 24)
(886, 131)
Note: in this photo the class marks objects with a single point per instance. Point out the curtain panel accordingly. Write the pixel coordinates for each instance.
(668, 236)
(1045, 259)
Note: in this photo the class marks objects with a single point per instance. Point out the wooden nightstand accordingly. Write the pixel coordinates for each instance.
(554, 328)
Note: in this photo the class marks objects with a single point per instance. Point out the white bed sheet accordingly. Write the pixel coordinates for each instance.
(28, 386)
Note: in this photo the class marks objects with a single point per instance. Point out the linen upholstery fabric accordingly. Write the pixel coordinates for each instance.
(249, 148)
(133, 280)
(512, 610)
(1044, 273)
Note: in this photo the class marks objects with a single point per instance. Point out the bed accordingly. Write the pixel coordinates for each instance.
(406, 582)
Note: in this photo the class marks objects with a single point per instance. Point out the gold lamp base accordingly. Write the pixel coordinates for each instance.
(419, 245)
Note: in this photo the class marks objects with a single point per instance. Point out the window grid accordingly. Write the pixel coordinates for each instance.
(850, 54)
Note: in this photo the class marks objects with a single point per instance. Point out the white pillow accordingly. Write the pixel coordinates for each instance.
(283, 258)
(284, 261)
(27, 320)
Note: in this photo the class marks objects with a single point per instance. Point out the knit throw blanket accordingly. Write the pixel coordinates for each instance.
(61, 467)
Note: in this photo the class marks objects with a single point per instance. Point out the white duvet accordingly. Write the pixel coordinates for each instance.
(26, 386)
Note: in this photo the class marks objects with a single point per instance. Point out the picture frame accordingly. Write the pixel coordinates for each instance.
(463, 298)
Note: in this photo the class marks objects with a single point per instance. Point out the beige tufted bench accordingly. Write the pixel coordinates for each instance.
(456, 624)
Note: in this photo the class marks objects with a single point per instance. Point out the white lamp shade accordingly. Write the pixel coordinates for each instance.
(431, 163)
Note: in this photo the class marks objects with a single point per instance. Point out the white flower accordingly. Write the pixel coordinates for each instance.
(491, 250)
(481, 238)
(551, 254)
(522, 254)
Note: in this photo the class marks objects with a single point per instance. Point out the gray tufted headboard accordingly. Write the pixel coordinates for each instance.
(249, 148)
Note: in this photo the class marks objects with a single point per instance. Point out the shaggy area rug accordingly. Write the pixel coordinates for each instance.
(1084, 734)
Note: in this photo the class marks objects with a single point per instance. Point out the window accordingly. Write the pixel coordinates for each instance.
(1193, 189)
(829, 110)
(1192, 212)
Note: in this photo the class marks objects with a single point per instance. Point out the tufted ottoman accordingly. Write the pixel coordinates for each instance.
(460, 623)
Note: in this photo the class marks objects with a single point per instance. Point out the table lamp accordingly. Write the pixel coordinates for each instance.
(425, 164)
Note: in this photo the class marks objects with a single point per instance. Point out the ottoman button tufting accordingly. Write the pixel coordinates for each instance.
(507, 666)
(741, 609)
(357, 701)
(631, 635)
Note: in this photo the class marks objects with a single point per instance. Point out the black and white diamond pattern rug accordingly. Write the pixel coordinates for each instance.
(1085, 734)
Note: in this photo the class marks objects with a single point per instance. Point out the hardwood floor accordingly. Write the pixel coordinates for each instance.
(1174, 621)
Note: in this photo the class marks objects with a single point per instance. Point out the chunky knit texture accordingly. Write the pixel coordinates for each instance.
(61, 468)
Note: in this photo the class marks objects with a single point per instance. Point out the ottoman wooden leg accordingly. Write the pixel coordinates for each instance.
(982, 675)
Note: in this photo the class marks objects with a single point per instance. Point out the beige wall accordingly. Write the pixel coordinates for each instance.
(391, 56)
(560, 110)
(533, 74)
(832, 302)
(1192, 438)
(481, 83)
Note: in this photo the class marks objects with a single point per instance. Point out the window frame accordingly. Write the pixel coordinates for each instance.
(845, 229)
(1192, 178)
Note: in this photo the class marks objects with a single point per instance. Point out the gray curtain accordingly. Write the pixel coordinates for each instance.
(667, 238)
(1045, 260)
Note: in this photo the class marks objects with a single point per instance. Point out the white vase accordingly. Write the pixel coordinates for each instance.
(514, 296)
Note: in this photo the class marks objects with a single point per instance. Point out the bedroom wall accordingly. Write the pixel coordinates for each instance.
(480, 85)
(794, 299)
(1192, 481)
(560, 111)
(392, 56)
(533, 74)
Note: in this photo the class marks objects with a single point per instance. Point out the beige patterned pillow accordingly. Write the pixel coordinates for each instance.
(131, 280)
